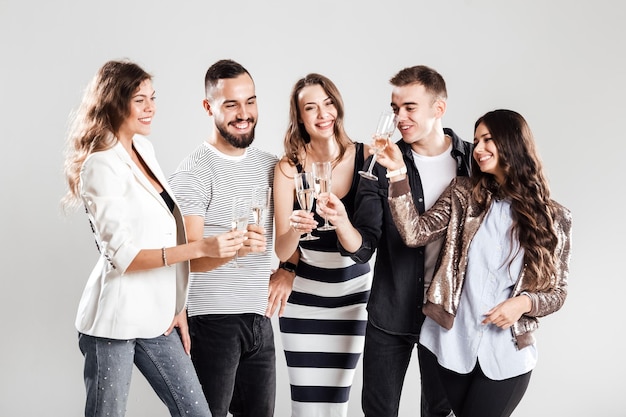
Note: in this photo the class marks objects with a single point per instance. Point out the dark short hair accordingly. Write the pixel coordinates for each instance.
(224, 68)
(432, 81)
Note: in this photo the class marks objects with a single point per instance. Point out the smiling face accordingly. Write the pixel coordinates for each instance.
(486, 153)
(417, 110)
(317, 112)
(141, 111)
(234, 109)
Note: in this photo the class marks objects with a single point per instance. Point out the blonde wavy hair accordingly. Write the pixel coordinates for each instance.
(94, 125)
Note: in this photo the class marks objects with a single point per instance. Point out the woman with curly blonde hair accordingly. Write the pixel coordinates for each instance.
(132, 310)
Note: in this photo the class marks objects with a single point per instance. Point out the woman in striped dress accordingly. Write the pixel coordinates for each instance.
(322, 295)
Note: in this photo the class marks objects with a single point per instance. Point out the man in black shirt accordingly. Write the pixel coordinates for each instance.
(433, 156)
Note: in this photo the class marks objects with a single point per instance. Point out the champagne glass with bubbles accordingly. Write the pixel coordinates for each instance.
(305, 192)
(322, 173)
(239, 222)
(261, 196)
(260, 204)
(386, 125)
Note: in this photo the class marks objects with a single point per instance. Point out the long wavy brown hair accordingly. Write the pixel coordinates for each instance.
(296, 136)
(527, 188)
(94, 125)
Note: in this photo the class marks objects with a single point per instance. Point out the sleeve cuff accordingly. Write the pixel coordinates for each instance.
(399, 188)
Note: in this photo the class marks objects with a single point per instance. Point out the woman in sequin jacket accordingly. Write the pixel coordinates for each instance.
(504, 263)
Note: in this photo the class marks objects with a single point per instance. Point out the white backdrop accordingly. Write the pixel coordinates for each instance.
(561, 63)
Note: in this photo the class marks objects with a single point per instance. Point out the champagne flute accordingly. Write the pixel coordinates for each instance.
(386, 125)
(240, 215)
(260, 205)
(322, 173)
(305, 194)
(261, 197)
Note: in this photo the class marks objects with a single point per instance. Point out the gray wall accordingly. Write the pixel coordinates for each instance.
(560, 63)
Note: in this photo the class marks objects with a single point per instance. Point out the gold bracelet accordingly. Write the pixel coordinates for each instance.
(164, 257)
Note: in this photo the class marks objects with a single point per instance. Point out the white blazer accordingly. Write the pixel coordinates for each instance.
(128, 215)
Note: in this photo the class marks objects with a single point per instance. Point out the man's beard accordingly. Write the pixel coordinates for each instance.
(238, 141)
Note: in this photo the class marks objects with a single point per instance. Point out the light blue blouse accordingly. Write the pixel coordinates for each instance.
(494, 264)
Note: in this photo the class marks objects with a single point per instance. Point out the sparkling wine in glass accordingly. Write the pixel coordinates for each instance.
(261, 197)
(239, 222)
(305, 193)
(386, 125)
(322, 173)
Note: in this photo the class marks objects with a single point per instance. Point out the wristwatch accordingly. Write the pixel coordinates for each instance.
(288, 266)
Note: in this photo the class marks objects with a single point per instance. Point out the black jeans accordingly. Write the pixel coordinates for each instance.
(235, 360)
(385, 361)
(475, 395)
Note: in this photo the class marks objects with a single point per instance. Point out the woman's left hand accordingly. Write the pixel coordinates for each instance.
(505, 314)
(180, 321)
(330, 207)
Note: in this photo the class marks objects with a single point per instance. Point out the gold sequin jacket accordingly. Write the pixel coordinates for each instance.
(456, 218)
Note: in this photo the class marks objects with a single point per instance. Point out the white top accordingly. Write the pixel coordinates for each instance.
(489, 280)
(205, 183)
(436, 173)
(128, 214)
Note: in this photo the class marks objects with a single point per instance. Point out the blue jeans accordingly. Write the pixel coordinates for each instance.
(162, 360)
(386, 359)
(235, 360)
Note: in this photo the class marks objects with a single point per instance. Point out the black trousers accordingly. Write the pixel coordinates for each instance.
(234, 357)
(385, 361)
(475, 395)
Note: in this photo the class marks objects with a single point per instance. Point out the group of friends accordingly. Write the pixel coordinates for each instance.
(468, 251)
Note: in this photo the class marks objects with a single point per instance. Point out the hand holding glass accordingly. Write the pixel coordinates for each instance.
(386, 125)
(322, 171)
(305, 194)
(240, 215)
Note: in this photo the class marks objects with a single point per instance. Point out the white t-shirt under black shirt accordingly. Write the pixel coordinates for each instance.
(436, 173)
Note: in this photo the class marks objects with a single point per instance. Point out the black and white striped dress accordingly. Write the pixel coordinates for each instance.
(323, 326)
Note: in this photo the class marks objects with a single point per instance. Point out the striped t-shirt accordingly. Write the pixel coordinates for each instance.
(205, 184)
